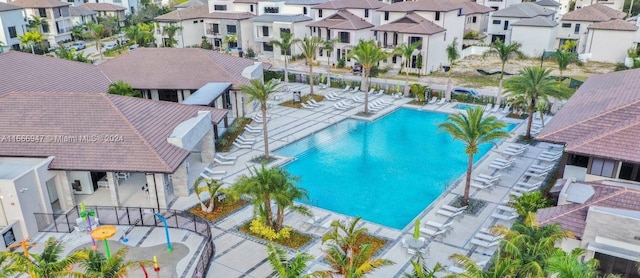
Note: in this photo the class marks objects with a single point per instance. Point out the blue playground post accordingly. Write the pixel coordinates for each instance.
(166, 231)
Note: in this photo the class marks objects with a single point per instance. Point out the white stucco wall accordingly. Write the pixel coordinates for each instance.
(8, 19)
(534, 40)
(600, 44)
(190, 34)
(569, 33)
(481, 24)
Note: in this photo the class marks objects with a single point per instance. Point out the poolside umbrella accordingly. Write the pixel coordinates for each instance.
(416, 229)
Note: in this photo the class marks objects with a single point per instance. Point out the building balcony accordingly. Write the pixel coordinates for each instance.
(215, 33)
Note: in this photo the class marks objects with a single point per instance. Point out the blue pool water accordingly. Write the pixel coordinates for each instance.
(463, 106)
(386, 171)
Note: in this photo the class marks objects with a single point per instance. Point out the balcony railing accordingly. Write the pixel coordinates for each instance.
(213, 32)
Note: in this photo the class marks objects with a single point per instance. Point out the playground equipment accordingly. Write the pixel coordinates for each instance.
(103, 233)
(86, 215)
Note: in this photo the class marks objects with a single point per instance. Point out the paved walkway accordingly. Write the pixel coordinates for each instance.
(239, 256)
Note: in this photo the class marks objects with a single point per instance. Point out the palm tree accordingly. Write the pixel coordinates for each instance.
(329, 46)
(48, 263)
(95, 32)
(563, 265)
(309, 47)
(96, 265)
(76, 32)
(348, 258)
(406, 50)
(7, 268)
(473, 129)
(285, 267)
(228, 39)
(170, 31)
(261, 92)
(420, 269)
(503, 267)
(140, 33)
(285, 193)
(369, 54)
(564, 59)
(528, 202)
(110, 23)
(38, 23)
(504, 52)
(285, 43)
(31, 38)
(533, 84)
(212, 187)
(124, 89)
(452, 55)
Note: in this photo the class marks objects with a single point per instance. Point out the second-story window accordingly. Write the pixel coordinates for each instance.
(251, 8)
(42, 12)
(344, 37)
(577, 29)
(285, 30)
(231, 29)
(386, 15)
(271, 10)
(215, 28)
(304, 10)
(366, 13)
(319, 12)
(220, 7)
(437, 16)
(265, 31)
(395, 39)
(12, 32)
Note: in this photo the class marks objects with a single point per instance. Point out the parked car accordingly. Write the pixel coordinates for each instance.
(79, 45)
(110, 45)
(357, 68)
(464, 91)
(133, 46)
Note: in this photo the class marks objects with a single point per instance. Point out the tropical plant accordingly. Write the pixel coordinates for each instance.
(474, 129)
(47, 264)
(211, 186)
(71, 55)
(285, 267)
(329, 46)
(30, 39)
(286, 192)
(569, 265)
(96, 265)
(37, 23)
(564, 59)
(285, 43)
(419, 91)
(124, 89)
(7, 268)
(141, 33)
(346, 257)
(504, 52)
(569, 45)
(453, 54)
(111, 24)
(528, 202)
(95, 32)
(170, 31)
(532, 85)
(261, 92)
(369, 54)
(228, 39)
(504, 267)
(421, 270)
(309, 47)
(77, 31)
(406, 51)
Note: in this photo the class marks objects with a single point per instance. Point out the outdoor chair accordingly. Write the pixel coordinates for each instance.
(482, 186)
(224, 162)
(222, 157)
(241, 146)
(442, 101)
(529, 185)
(346, 88)
(433, 100)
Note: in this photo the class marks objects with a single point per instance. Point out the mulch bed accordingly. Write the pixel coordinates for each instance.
(304, 99)
(221, 209)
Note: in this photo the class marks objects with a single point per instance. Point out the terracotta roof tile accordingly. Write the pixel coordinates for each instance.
(411, 23)
(469, 8)
(595, 13)
(422, 5)
(75, 11)
(8, 7)
(102, 7)
(40, 3)
(343, 20)
(617, 25)
(201, 11)
(143, 124)
(524, 10)
(351, 4)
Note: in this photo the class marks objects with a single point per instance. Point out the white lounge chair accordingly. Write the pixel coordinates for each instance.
(241, 146)
(224, 162)
(506, 109)
(542, 168)
(529, 185)
(500, 160)
(311, 104)
(433, 100)
(208, 171)
(511, 152)
(496, 108)
(518, 148)
(506, 217)
(442, 101)
(381, 92)
(485, 244)
(432, 232)
(547, 159)
(550, 153)
(346, 88)
(500, 166)
(222, 157)
(487, 237)
(536, 175)
(524, 189)
(355, 89)
(538, 170)
(482, 186)
(306, 106)
(448, 213)
(437, 224)
(243, 139)
(453, 209)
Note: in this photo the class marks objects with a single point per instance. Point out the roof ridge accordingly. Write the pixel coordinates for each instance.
(135, 130)
(587, 204)
(592, 117)
(218, 66)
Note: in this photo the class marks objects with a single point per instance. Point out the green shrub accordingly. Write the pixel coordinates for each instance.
(471, 35)
(342, 63)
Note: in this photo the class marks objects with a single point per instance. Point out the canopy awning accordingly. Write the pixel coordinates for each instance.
(614, 251)
(206, 95)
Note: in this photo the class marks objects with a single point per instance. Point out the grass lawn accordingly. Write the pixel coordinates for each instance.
(295, 240)
(222, 209)
(305, 98)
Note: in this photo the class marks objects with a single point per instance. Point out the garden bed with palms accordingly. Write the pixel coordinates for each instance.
(221, 209)
(226, 141)
(304, 99)
(295, 239)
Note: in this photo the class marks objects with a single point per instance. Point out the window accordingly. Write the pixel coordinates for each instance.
(215, 28)
(45, 28)
(366, 13)
(231, 29)
(304, 10)
(602, 167)
(320, 51)
(629, 171)
(437, 16)
(394, 59)
(319, 12)
(578, 160)
(506, 25)
(12, 32)
(496, 21)
(386, 15)
(251, 8)
(271, 10)
(319, 33)
(265, 31)
(267, 47)
(384, 39)
(195, 22)
(413, 40)
(344, 37)
(328, 34)
(348, 56)
(219, 7)
(285, 30)
(566, 25)
(494, 8)
(42, 12)
(395, 39)
(577, 29)
(474, 19)
(460, 12)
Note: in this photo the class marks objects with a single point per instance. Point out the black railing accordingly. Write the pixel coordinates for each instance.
(134, 216)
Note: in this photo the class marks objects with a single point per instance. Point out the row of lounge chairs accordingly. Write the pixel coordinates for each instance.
(311, 104)
(344, 105)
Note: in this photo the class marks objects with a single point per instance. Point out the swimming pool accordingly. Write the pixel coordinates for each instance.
(463, 106)
(386, 171)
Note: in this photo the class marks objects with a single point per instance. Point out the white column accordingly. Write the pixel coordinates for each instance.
(207, 147)
(66, 196)
(157, 190)
(113, 188)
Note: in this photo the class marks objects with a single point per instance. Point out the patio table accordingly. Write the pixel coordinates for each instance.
(414, 243)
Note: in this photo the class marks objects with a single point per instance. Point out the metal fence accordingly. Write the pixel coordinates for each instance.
(134, 216)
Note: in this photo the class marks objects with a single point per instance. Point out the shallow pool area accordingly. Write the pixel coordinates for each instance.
(463, 106)
(386, 171)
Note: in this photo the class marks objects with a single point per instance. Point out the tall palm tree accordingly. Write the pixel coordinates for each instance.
(141, 33)
(76, 32)
(261, 92)
(452, 55)
(7, 267)
(285, 43)
(564, 59)
(30, 39)
(124, 89)
(329, 46)
(97, 265)
(95, 32)
(285, 267)
(309, 47)
(170, 31)
(406, 51)
(110, 23)
(504, 52)
(474, 130)
(532, 85)
(38, 23)
(211, 187)
(49, 263)
(285, 193)
(369, 54)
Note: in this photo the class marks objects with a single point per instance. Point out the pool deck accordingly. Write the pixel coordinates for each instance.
(239, 256)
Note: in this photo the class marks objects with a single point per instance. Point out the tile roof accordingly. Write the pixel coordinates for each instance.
(37, 73)
(143, 124)
(343, 20)
(191, 3)
(601, 119)
(102, 7)
(524, 10)
(75, 11)
(351, 4)
(8, 7)
(281, 18)
(595, 12)
(573, 216)
(176, 68)
(538, 21)
(201, 12)
(40, 3)
(548, 3)
(411, 23)
(469, 8)
(421, 5)
(617, 25)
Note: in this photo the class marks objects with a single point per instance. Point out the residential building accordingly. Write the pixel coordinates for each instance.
(190, 21)
(498, 4)
(303, 7)
(82, 16)
(476, 16)
(56, 13)
(535, 35)
(574, 25)
(97, 149)
(598, 127)
(435, 23)
(559, 8)
(613, 4)
(365, 9)
(601, 34)
(12, 25)
(270, 22)
(220, 25)
(501, 20)
(106, 9)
